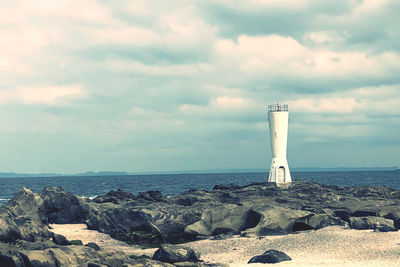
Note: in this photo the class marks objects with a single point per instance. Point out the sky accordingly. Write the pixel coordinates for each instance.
(168, 85)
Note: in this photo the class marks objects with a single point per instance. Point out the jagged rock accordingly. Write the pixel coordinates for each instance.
(152, 195)
(171, 254)
(276, 220)
(316, 221)
(370, 222)
(61, 240)
(13, 259)
(60, 206)
(115, 197)
(20, 218)
(152, 219)
(270, 256)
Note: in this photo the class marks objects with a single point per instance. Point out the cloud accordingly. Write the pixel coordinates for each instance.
(284, 55)
(49, 95)
(323, 105)
(185, 84)
(380, 99)
(157, 70)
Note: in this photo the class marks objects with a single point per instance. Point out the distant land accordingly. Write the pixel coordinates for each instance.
(113, 173)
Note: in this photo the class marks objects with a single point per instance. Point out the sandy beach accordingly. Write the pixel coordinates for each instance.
(330, 246)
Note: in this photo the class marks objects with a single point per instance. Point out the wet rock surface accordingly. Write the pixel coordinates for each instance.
(152, 219)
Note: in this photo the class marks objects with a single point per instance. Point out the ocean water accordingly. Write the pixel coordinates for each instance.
(172, 184)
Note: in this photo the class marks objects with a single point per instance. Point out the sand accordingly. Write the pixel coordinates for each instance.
(330, 246)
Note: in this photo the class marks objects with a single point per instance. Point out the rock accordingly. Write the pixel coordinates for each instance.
(385, 228)
(365, 213)
(13, 259)
(62, 207)
(313, 209)
(395, 216)
(370, 222)
(50, 254)
(225, 187)
(270, 256)
(93, 246)
(20, 218)
(152, 195)
(228, 218)
(76, 242)
(93, 264)
(171, 254)
(316, 221)
(61, 240)
(343, 214)
(115, 197)
(276, 219)
(151, 219)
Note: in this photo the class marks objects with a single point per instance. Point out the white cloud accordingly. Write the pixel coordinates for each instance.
(49, 95)
(380, 100)
(369, 6)
(323, 37)
(256, 5)
(158, 70)
(275, 54)
(325, 105)
(219, 106)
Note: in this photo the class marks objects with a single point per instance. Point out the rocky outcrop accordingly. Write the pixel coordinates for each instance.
(20, 218)
(153, 219)
(59, 206)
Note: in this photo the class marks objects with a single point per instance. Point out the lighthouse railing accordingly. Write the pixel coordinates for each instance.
(278, 107)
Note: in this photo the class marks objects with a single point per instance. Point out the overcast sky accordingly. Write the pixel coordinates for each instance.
(184, 85)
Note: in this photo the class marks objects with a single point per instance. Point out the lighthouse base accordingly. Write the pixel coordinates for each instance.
(279, 172)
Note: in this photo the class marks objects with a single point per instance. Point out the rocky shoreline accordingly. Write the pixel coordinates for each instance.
(151, 219)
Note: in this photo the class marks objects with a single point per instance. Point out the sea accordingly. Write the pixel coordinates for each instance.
(172, 184)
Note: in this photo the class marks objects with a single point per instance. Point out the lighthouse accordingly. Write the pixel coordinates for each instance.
(278, 118)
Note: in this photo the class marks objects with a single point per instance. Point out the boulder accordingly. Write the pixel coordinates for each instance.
(276, 219)
(172, 254)
(115, 197)
(316, 221)
(20, 218)
(270, 256)
(220, 220)
(60, 206)
(61, 240)
(370, 222)
(395, 216)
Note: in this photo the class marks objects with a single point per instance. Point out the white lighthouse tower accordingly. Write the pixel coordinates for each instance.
(278, 117)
